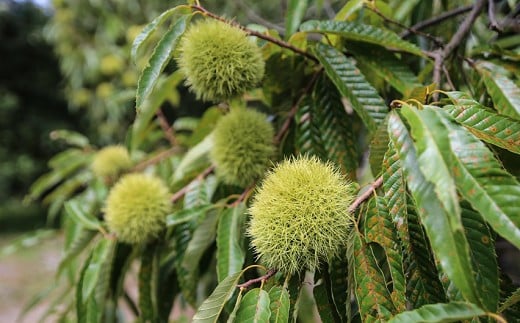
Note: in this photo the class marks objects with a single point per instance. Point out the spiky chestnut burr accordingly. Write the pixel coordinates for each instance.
(299, 216)
(111, 161)
(136, 208)
(243, 146)
(219, 61)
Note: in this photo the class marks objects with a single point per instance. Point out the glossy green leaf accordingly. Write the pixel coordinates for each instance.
(72, 138)
(294, 287)
(279, 304)
(160, 57)
(433, 157)
(200, 192)
(210, 309)
(149, 29)
(99, 257)
(338, 271)
(503, 91)
(308, 135)
(363, 33)
(186, 215)
(482, 181)
(510, 301)
(371, 293)
(351, 84)
(203, 237)
(378, 148)
(75, 209)
(380, 229)
(230, 245)
(323, 298)
(81, 240)
(387, 66)
(233, 314)
(448, 243)
(483, 255)
(423, 284)
(295, 12)
(486, 125)
(348, 10)
(254, 307)
(336, 127)
(449, 312)
(394, 186)
(147, 284)
(195, 159)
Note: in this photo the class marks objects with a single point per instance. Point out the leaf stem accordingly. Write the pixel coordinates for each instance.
(268, 38)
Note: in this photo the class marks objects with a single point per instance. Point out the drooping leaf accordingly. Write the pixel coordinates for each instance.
(147, 284)
(230, 245)
(160, 57)
(394, 186)
(200, 192)
(149, 29)
(294, 287)
(371, 293)
(72, 138)
(448, 243)
(423, 284)
(100, 255)
(295, 12)
(503, 91)
(186, 215)
(363, 33)
(486, 125)
(75, 209)
(351, 84)
(323, 297)
(336, 127)
(338, 271)
(203, 237)
(387, 66)
(484, 183)
(449, 312)
(433, 158)
(308, 135)
(254, 307)
(378, 148)
(380, 229)
(210, 309)
(279, 304)
(482, 248)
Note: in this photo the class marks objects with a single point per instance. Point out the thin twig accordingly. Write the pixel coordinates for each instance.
(366, 195)
(434, 39)
(244, 195)
(157, 158)
(268, 38)
(440, 55)
(493, 23)
(167, 129)
(180, 193)
(254, 17)
(285, 127)
(260, 279)
(435, 20)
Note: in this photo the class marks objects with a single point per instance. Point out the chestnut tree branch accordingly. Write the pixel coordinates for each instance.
(167, 129)
(155, 159)
(435, 20)
(180, 193)
(366, 195)
(493, 23)
(268, 38)
(270, 273)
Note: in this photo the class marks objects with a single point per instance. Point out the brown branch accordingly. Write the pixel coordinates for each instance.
(244, 195)
(440, 55)
(155, 159)
(167, 129)
(493, 23)
(294, 108)
(434, 39)
(180, 193)
(435, 20)
(366, 195)
(268, 38)
(270, 273)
